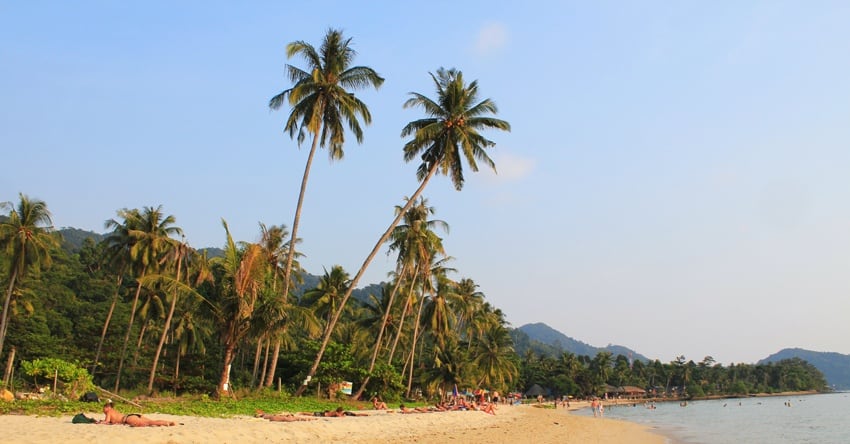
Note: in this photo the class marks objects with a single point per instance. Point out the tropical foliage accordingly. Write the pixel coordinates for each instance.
(439, 330)
(147, 312)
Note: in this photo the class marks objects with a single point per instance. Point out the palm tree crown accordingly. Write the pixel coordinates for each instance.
(320, 100)
(26, 237)
(451, 129)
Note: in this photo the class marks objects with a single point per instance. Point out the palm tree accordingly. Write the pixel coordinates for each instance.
(117, 246)
(415, 242)
(240, 275)
(450, 365)
(438, 314)
(276, 248)
(495, 357)
(601, 367)
(325, 298)
(469, 304)
(321, 104)
(190, 332)
(182, 254)
(449, 133)
(433, 277)
(147, 235)
(26, 237)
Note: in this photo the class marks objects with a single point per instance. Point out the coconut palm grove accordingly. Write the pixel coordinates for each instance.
(137, 310)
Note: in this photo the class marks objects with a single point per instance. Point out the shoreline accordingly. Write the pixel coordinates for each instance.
(516, 423)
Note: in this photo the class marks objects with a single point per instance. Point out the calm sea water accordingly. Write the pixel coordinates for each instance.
(822, 419)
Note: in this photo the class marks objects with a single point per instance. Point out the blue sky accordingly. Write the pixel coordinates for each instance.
(675, 180)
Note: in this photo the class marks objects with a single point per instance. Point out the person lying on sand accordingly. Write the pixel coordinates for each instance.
(133, 419)
(403, 409)
(281, 417)
(338, 413)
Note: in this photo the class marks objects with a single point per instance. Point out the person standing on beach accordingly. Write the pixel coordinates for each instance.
(594, 405)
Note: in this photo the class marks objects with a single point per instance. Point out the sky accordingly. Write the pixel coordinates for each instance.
(675, 180)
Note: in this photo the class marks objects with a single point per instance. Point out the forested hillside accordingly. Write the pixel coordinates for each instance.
(560, 342)
(835, 366)
(153, 317)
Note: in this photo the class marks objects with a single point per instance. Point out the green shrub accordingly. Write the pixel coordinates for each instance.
(75, 379)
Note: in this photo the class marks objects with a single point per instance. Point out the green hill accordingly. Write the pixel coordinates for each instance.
(540, 334)
(834, 366)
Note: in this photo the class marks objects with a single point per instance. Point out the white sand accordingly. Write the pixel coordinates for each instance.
(511, 424)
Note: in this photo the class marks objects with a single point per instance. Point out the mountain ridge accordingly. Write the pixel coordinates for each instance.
(834, 366)
(560, 342)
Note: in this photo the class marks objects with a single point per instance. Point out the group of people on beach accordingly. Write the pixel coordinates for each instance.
(114, 417)
(307, 416)
(597, 407)
(456, 404)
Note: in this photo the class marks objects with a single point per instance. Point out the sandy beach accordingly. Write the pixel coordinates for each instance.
(511, 423)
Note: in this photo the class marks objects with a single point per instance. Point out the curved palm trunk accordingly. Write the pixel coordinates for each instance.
(5, 317)
(380, 334)
(413, 346)
(138, 350)
(353, 285)
(106, 326)
(287, 271)
(256, 369)
(263, 374)
(403, 315)
(127, 336)
(165, 329)
(273, 368)
(177, 367)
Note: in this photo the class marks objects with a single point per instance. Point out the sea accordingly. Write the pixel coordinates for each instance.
(821, 419)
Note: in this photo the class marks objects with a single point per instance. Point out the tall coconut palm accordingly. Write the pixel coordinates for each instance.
(434, 280)
(415, 241)
(438, 315)
(148, 237)
(449, 133)
(417, 245)
(469, 304)
(183, 256)
(26, 238)
(276, 248)
(322, 102)
(117, 246)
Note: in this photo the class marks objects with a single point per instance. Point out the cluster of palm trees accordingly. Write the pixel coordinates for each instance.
(321, 104)
(427, 328)
(570, 374)
(419, 330)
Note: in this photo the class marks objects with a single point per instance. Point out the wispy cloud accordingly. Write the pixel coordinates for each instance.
(491, 38)
(509, 168)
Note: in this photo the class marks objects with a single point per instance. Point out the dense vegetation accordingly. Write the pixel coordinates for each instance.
(141, 310)
(835, 366)
(58, 312)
